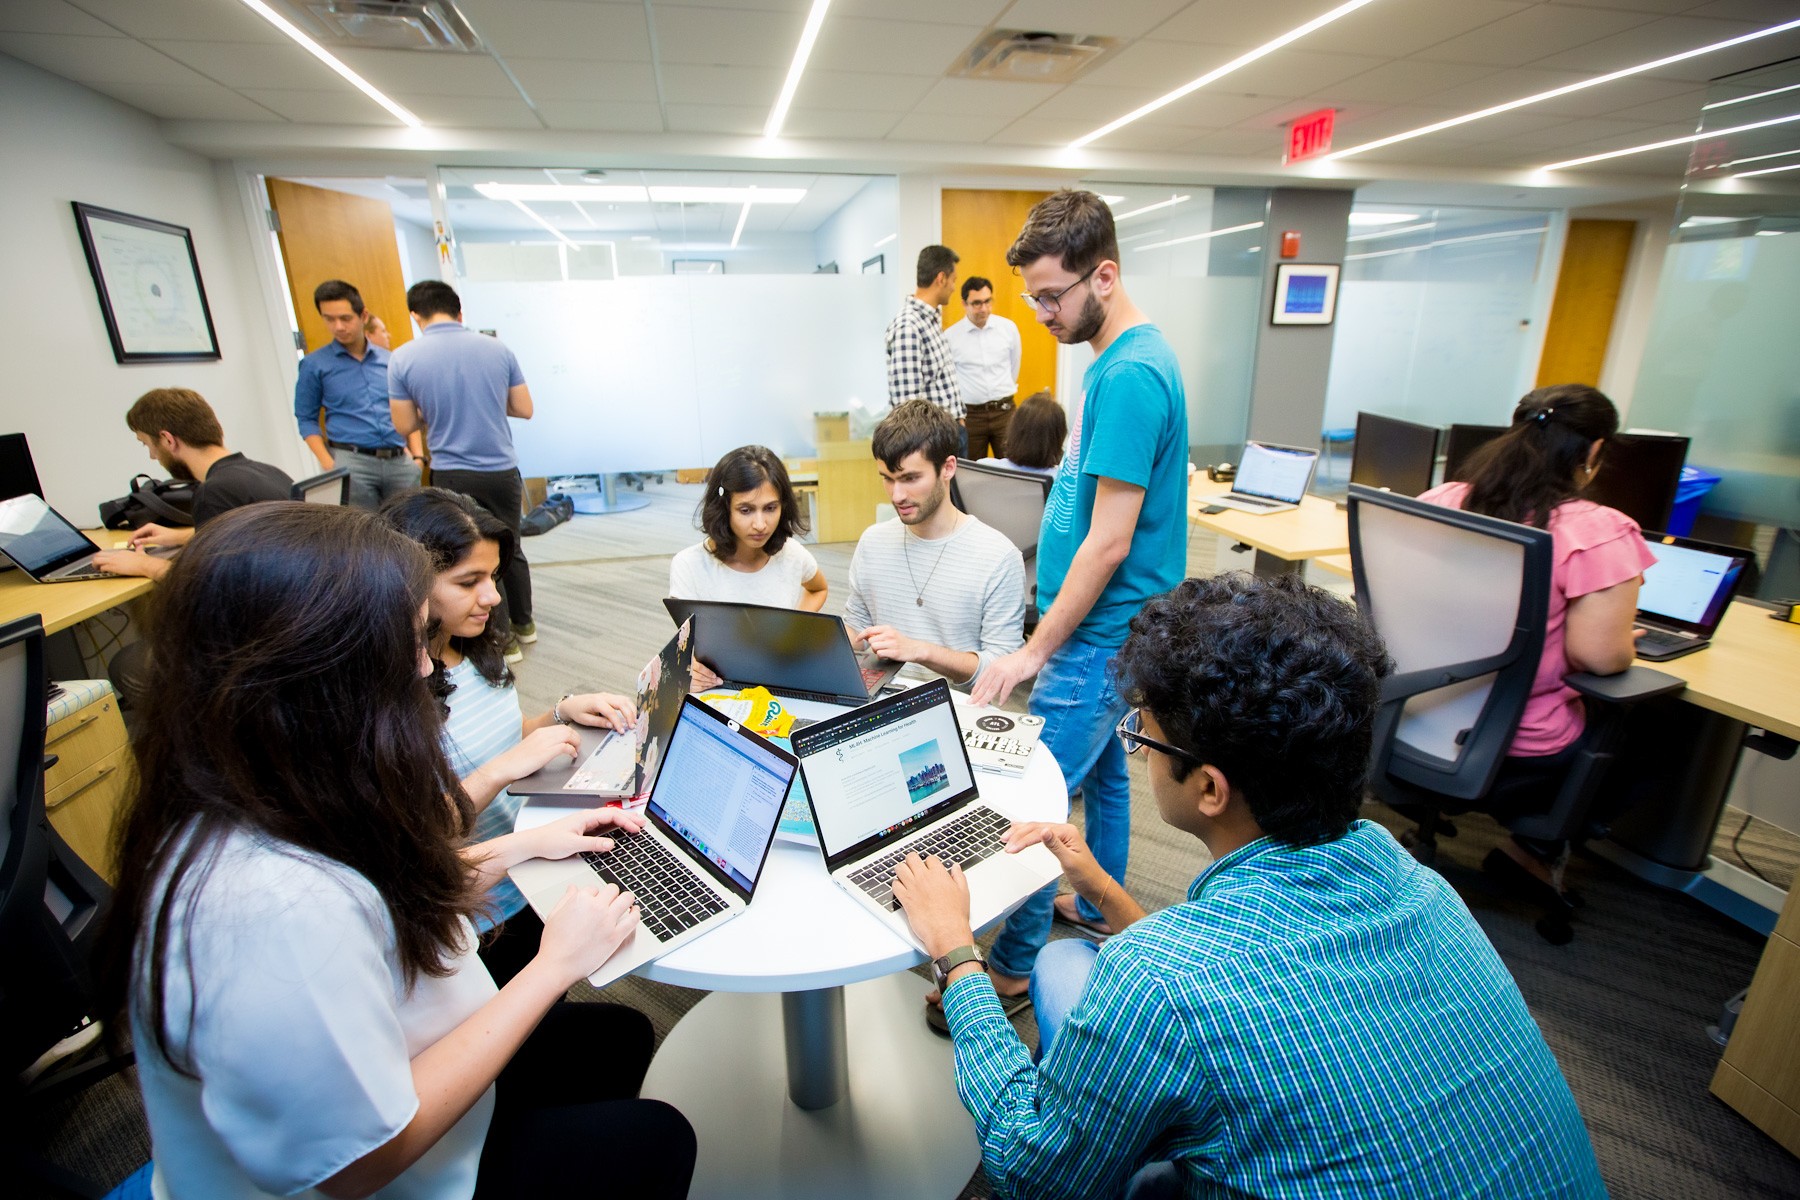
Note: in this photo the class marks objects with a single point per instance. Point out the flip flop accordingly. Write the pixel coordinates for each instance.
(1092, 929)
(1012, 1006)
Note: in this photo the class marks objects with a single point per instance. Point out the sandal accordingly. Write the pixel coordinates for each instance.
(1098, 930)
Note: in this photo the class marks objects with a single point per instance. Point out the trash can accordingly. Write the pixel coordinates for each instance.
(1690, 494)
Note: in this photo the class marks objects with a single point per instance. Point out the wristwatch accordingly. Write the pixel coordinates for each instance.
(556, 709)
(941, 967)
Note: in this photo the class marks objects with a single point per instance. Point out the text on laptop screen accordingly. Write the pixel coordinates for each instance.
(722, 792)
(882, 771)
(33, 536)
(1686, 584)
(1274, 474)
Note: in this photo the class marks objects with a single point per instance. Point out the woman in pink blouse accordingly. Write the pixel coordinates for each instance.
(1534, 474)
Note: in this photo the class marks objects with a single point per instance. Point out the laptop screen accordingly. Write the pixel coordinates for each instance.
(1274, 472)
(1687, 585)
(721, 791)
(884, 767)
(35, 537)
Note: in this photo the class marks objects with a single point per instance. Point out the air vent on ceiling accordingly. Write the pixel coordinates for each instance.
(1024, 56)
(389, 24)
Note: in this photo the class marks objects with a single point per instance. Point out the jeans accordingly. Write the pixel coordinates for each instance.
(1074, 694)
(373, 480)
(502, 493)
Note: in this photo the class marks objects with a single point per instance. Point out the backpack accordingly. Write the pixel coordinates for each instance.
(161, 501)
(555, 509)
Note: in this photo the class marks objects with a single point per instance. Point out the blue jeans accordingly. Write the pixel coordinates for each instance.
(1074, 694)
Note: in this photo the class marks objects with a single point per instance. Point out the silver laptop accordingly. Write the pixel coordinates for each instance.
(694, 866)
(892, 778)
(42, 543)
(1270, 478)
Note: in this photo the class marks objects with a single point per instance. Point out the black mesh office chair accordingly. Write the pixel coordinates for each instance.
(327, 487)
(50, 908)
(1462, 601)
(1011, 501)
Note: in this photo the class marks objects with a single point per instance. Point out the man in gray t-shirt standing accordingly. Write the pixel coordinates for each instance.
(463, 386)
(935, 587)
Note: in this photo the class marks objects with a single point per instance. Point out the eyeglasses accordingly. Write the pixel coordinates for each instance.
(1053, 304)
(1130, 728)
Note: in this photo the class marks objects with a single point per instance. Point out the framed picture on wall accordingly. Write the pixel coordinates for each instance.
(148, 281)
(1305, 295)
(876, 265)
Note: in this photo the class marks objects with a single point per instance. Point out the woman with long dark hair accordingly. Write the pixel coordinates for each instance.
(1534, 474)
(290, 933)
(489, 740)
(752, 552)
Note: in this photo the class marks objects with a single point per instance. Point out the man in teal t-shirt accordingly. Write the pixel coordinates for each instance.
(1114, 535)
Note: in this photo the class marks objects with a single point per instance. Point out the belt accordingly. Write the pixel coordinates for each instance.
(373, 451)
(1003, 402)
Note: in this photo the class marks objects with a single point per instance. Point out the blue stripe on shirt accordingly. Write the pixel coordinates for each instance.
(485, 721)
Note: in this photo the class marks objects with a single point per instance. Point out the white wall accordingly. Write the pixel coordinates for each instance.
(61, 142)
(849, 236)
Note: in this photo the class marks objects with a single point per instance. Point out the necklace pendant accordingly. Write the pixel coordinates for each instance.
(920, 601)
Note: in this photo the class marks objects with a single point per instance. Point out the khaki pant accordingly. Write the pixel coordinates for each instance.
(987, 428)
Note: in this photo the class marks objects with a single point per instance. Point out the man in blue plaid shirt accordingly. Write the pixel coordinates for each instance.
(919, 365)
(1321, 1018)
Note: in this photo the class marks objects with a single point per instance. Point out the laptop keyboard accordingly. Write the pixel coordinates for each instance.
(1236, 499)
(871, 677)
(974, 837)
(670, 897)
(86, 572)
(1666, 640)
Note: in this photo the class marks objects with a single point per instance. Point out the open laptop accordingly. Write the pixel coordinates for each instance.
(695, 864)
(892, 778)
(42, 543)
(804, 655)
(1685, 594)
(621, 765)
(1270, 478)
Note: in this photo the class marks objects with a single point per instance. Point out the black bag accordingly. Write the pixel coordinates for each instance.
(152, 501)
(555, 509)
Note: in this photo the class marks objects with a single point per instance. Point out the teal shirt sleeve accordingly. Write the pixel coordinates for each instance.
(1130, 409)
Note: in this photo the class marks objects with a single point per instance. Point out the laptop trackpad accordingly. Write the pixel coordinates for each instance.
(1005, 879)
(611, 767)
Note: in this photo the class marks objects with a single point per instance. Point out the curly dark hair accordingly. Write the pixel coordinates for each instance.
(744, 470)
(1523, 474)
(1273, 682)
(450, 525)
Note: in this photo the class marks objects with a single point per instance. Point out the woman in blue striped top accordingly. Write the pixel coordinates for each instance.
(489, 741)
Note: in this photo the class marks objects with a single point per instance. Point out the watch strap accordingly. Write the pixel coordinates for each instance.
(956, 958)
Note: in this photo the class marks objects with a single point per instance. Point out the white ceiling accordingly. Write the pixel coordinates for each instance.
(878, 72)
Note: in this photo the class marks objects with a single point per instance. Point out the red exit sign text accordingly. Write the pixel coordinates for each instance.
(1310, 136)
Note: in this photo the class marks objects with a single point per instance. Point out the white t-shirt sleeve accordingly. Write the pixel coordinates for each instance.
(803, 563)
(685, 582)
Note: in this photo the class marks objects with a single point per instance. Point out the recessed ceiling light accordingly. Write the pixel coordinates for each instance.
(637, 194)
(1380, 218)
(1197, 237)
(1138, 212)
(809, 33)
(1342, 10)
(1561, 91)
(329, 59)
(1680, 141)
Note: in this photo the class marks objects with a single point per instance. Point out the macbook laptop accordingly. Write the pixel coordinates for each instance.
(1684, 594)
(1270, 478)
(39, 541)
(695, 864)
(804, 655)
(892, 778)
(621, 765)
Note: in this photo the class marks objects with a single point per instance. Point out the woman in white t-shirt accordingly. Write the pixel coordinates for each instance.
(291, 936)
(751, 554)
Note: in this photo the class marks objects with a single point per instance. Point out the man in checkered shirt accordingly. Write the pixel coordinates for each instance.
(919, 366)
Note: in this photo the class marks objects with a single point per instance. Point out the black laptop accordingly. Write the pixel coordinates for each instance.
(1685, 594)
(42, 543)
(803, 655)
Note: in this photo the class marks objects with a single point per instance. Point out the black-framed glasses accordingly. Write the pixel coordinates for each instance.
(1053, 304)
(1130, 727)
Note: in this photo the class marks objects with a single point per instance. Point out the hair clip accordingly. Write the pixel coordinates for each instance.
(1543, 414)
(721, 491)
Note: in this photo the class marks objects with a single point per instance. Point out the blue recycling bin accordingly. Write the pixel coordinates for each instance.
(1690, 494)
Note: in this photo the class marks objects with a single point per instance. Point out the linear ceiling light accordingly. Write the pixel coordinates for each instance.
(1680, 141)
(1342, 10)
(884, 241)
(325, 56)
(1138, 212)
(809, 33)
(1553, 93)
(560, 235)
(1381, 218)
(1196, 237)
(1767, 171)
(633, 194)
(1738, 162)
(1394, 232)
(1747, 99)
(742, 217)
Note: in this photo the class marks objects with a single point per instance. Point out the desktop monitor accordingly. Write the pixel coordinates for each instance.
(1395, 456)
(18, 474)
(1460, 443)
(1639, 475)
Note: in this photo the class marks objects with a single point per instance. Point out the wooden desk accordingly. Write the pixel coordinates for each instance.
(66, 604)
(1750, 672)
(1283, 540)
(1759, 1074)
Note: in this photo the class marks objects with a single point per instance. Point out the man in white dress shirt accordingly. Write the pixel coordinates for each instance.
(986, 349)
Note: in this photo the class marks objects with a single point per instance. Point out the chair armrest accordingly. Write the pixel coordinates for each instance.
(1629, 686)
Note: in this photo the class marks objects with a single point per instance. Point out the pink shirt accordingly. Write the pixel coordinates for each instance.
(1592, 548)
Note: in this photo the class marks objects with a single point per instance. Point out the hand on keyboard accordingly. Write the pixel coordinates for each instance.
(583, 930)
(936, 900)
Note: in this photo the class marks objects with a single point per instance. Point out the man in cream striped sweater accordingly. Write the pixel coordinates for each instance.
(935, 587)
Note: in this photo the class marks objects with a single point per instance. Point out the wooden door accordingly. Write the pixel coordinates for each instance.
(334, 235)
(981, 225)
(1587, 298)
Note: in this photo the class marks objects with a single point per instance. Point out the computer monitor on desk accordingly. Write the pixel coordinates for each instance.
(18, 474)
(1395, 456)
(1639, 475)
(1460, 444)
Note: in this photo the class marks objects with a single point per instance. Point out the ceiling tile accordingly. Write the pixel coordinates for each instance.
(471, 112)
(209, 103)
(860, 92)
(1531, 35)
(467, 76)
(344, 106)
(1233, 143)
(837, 123)
(896, 47)
(1625, 93)
(610, 117)
(1399, 27)
(1595, 136)
(1245, 25)
(986, 97)
(786, 6)
(236, 64)
(1113, 19)
(51, 16)
(560, 29)
(939, 12)
(564, 79)
(100, 60)
(1501, 87)
(728, 37)
(1685, 107)
(1659, 39)
(1146, 135)
(1041, 131)
(946, 127)
(1161, 66)
(717, 118)
(1207, 109)
(181, 20)
(1401, 82)
(1091, 105)
(1399, 119)
(1297, 72)
(690, 83)
(1649, 6)
(1760, 12)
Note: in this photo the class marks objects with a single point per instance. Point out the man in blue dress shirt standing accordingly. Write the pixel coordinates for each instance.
(341, 403)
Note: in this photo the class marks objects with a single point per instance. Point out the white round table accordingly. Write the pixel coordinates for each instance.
(837, 1088)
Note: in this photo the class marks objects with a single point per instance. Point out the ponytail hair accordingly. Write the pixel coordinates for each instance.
(1523, 474)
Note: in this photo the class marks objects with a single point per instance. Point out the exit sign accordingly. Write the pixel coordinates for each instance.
(1310, 136)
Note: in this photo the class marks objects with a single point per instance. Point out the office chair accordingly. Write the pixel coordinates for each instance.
(50, 908)
(1462, 601)
(1011, 501)
(327, 487)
